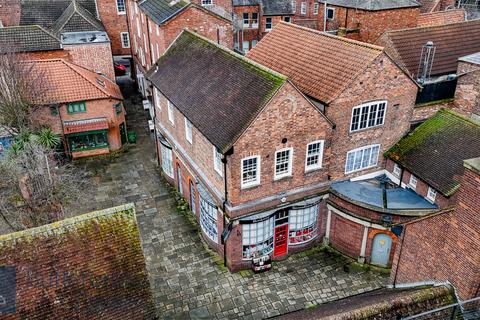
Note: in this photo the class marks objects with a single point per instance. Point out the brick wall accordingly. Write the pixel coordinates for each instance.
(346, 236)
(93, 56)
(114, 23)
(248, 34)
(10, 12)
(445, 246)
(382, 80)
(225, 5)
(309, 19)
(288, 115)
(467, 94)
(45, 55)
(371, 24)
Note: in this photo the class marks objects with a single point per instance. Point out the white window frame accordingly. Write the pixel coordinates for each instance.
(188, 131)
(124, 11)
(257, 238)
(170, 112)
(412, 183)
(246, 46)
(315, 8)
(257, 172)
(167, 160)
(217, 161)
(431, 194)
(207, 2)
(303, 7)
(208, 219)
(368, 117)
(157, 30)
(158, 97)
(319, 154)
(294, 6)
(136, 8)
(287, 18)
(266, 23)
(125, 40)
(304, 222)
(247, 20)
(138, 28)
(254, 43)
(289, 163)
(333, 14)
(254, 21)
(397, 170)
(362, 150)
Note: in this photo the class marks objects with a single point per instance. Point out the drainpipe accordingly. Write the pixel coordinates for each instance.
(132, 72)
(400, 254)
(325, 17)
(224, 204)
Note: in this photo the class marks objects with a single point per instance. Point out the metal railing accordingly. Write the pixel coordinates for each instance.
(462, 310)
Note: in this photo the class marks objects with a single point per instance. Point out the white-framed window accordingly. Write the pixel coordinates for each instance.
(254, 43)
(158, 51)
(158, 98)
(157, 29)
(142, 17)
(362, 158)
(314, 155)
(268, 24)
(368, 115)
(152, 53)
(150, 28)
(330, 13)
(283, 163)
(145, 43)
(302, 224)
(171, 117)
(412, 182)
(315, 8)
(294, 6)
(188, 131)
(245, 46)
(431, 194)
(246, 20)
(397, 170)
(254, 20)
(257, 238)
(217, 161)
(207, 2)
(167, 160)
(208, 219)
(125, 39)
(136, 8)
(303, 8)
(138, 28)
(121, 6)
(286, 19)
(142, 56)
(250, 171)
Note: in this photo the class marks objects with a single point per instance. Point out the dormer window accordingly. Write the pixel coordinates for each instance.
(207, 2)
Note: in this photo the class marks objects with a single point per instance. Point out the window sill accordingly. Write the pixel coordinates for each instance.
(121, 13)
(90, 148)
(282, 177)
(362, 169)
(365, 129)
(218, 173)
(250, 186)
(309, 170)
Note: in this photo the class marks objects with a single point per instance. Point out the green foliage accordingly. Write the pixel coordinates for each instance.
(47, 138)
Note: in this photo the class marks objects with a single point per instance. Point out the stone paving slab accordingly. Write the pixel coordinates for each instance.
(186, 281)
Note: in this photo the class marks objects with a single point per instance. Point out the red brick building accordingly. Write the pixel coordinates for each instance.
(85, 108)
(439, 18)
(366, 20)
(112, 13)
(154, 25)
(243, 177)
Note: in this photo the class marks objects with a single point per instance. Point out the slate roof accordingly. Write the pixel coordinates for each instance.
(472, 58)
(86, 267)
(239, 3)
(68, 82)
(441, 17)
(321, 65)
(435, 151)
(28, 39)
(373, 5)
(46, 12)
(162, 10)
(276, 7)
(451, 41)
(76, 19)
(207, 82)
(429, 5)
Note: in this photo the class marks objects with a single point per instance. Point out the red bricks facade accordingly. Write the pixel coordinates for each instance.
(445, 246)
(115, 23)
(10, 12)
(96, 57)
(467, 95)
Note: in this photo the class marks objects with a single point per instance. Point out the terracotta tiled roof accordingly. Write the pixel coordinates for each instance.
(435, 150)
(207, 82)
(441, 17)
(85, 125)
(67, 82)
(452, 41)
(86, 267)
(321, 65)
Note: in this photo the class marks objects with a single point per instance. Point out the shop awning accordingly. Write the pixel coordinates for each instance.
(70, 127)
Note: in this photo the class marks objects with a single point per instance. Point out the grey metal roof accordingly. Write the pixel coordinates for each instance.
(472, 58)
(46, 12)
(27, 39)
(373, 5)
(277, 7)
(162, 10)
(396, 198)
(76, 19)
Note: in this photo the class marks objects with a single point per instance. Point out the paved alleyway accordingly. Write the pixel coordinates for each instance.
(186, 281)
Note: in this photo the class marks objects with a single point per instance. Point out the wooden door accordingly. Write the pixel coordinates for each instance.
(280, 245)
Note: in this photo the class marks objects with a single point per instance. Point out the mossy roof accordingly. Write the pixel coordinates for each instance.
(218, 91)
(435, 150)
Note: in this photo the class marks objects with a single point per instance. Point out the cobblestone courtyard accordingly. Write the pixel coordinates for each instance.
(185, 277)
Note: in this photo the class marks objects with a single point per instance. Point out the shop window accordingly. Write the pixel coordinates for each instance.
(257, 238)
(88, 140)
(76, 107)
(167, 161)
(302, 224)
(208, 219)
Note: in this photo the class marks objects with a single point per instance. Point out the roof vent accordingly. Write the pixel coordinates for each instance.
(426, 62)
(101, 82)
(173, 2)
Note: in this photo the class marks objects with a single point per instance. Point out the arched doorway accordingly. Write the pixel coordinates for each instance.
(382, 244)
